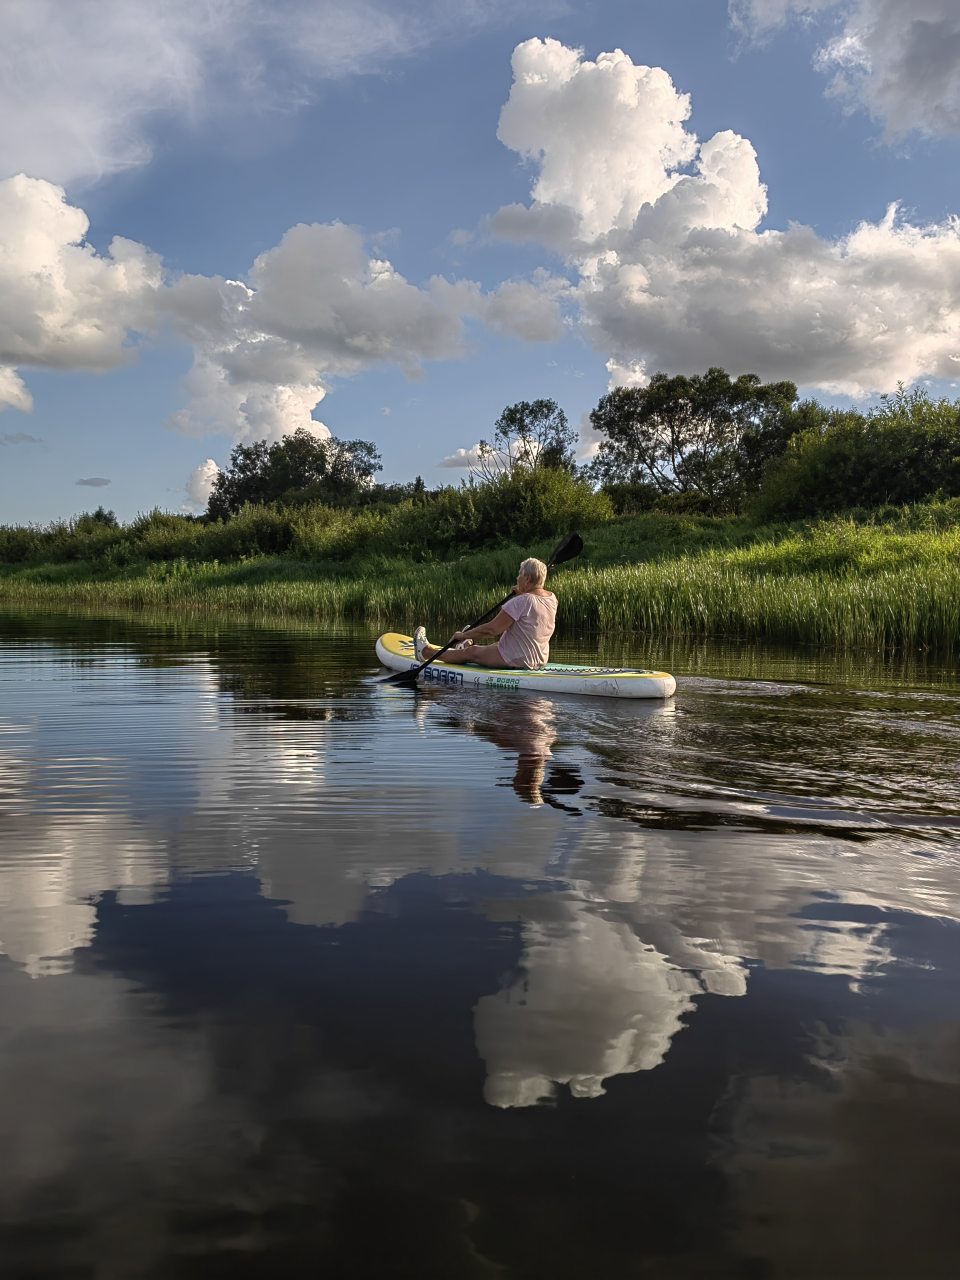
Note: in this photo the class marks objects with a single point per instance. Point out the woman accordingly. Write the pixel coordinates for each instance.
(521, 630)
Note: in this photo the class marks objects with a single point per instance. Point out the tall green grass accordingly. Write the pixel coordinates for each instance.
(881, 586)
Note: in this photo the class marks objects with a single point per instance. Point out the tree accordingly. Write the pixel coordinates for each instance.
(904, 450)
(299, 468)
(528, 435)
(91, 521)
(708, 434)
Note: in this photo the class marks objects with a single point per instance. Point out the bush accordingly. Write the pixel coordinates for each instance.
(631, 498)
(254, 531)
(518, 508)
(904, 451)
(527, 505)
(20, 542)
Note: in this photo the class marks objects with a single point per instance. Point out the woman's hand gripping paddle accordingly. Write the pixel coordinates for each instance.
(568, 549)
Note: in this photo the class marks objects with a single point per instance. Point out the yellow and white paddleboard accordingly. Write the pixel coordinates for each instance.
(396, 652)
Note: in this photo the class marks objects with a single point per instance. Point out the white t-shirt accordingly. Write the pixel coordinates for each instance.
(526, 642)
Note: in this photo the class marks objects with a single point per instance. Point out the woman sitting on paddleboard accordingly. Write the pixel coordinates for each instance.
(521, 630)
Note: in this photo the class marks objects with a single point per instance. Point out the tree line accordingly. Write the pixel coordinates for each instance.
(300, 468)
(707, 443)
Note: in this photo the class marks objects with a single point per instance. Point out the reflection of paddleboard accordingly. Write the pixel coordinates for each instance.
(396, 652)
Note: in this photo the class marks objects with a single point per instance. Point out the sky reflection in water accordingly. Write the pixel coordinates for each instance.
(303, 969)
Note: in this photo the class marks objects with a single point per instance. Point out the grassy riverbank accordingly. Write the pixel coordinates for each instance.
(890, 583)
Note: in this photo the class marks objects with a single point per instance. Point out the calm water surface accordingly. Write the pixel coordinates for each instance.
(301, 975)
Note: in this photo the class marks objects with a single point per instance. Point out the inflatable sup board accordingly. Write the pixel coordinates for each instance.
(396, 652)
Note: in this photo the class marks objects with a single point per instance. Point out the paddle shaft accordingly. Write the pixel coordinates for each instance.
(451, 642)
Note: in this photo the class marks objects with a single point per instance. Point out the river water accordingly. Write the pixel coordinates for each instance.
(301, 974)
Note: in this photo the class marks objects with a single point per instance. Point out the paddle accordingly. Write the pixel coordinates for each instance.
(569, 548)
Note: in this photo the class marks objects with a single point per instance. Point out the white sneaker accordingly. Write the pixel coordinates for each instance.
(420, 642)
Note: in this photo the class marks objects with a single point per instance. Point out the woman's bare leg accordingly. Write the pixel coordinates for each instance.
(481, 655)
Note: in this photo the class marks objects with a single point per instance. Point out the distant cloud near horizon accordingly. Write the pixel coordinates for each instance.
(94, 482)
(462, 459)
(199, 486)
(19, 437)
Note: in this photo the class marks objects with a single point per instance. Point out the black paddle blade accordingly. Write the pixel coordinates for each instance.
(405, 679)
(569, 548)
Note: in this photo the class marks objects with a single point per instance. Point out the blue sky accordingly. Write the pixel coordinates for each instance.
(627, 241)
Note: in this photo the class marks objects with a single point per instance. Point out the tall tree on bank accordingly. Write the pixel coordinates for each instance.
(528, 435)
(708, 434)
(298, 468)
(904, 450)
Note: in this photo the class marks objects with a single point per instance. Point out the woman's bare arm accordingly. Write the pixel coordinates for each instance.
(496, 627)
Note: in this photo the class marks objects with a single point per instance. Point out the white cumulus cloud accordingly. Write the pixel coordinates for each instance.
(63, 305)
(606, 136)
(901, 62)
(526, 309)
(632, 374)
(13, 392)
(897, 59)
(317, 306)
(314, 307)
(462, 459)
(199, 486)
(490, 461)
(675, 270)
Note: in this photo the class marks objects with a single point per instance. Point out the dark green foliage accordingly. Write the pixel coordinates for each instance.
(639, 498)
(93, 520)
(535, 504)
(517, 508)
(381, 496)
(632, 498)
(708, 434)
(87, 536)
(299, 468)
(529, 436)
(905, 450)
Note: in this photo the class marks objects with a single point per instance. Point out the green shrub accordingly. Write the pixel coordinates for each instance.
(518, 508)
(631, 498)
(20, 542)
(904, 451)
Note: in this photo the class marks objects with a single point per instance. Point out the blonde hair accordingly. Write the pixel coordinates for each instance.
(534, 571)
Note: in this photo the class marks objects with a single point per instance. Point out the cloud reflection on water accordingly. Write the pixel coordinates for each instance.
(329, 805)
